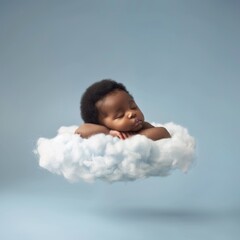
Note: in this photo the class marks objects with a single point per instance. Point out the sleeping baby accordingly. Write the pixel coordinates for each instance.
(107, 107)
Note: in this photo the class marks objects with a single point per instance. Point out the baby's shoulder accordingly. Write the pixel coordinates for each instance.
(147, 125)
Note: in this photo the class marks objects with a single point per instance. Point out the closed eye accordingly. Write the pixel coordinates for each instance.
(118, 116)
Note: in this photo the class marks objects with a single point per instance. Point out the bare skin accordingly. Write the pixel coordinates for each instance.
(120, 116)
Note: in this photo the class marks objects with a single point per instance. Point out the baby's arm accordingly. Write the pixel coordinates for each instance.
(88, 129)
(121, 135)
(154, 133)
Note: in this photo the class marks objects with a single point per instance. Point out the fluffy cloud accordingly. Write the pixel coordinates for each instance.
(111, 159)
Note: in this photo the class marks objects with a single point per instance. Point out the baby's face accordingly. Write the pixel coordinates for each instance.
(118, 111)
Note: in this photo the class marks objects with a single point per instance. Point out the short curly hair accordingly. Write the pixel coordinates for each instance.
(93, 94)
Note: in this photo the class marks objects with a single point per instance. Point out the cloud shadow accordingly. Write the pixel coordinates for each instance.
(177, 215)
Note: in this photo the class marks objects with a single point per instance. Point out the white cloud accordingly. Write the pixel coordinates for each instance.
(109, 158)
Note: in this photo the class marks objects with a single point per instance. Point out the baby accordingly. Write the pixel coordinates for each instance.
(107, 107)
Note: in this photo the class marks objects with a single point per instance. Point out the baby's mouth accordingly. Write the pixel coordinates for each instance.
(137, 123)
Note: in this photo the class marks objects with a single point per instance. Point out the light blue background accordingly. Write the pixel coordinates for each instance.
(180, 60)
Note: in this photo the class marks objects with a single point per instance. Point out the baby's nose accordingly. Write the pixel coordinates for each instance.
(131, 114)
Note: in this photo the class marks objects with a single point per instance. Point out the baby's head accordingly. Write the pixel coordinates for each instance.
(109, 103)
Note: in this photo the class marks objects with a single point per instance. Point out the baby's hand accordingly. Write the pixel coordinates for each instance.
(121, 135)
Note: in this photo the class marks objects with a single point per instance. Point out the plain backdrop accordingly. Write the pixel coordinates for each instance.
(179, 59)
